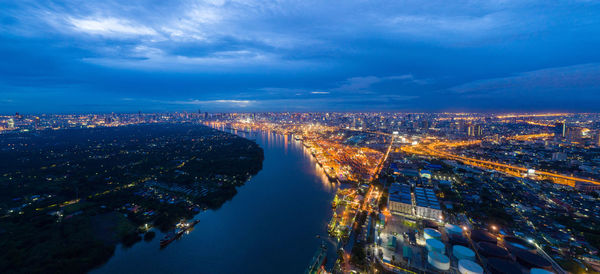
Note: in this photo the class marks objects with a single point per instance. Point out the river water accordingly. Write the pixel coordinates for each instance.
(270, 226)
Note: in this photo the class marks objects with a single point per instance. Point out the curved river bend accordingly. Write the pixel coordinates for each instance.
(270, 226)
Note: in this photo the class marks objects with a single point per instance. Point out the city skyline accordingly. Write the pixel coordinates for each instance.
(300, 136)
(356, 192)
(249, 56)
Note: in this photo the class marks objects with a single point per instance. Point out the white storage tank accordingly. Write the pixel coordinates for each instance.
(540, 271)
(453, 229)
(430, 233)
(469, 267)
(462, 252)
(435, 245)
(438, 261)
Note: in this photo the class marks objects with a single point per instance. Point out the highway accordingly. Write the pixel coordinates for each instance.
(383, 159)
(433, 149)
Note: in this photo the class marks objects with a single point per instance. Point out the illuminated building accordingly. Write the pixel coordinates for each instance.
(559, 156)
(474, 130)
(574, 134)
(586, 186)
(400, 200)
(427, 205)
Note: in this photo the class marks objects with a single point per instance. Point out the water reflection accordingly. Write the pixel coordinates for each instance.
(268, 227)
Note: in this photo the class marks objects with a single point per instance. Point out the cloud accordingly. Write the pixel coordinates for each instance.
(310, 52)
(113, 27)
(425, 25)
(219, 102)
(366, 82)
(557, 80)
(151, 58)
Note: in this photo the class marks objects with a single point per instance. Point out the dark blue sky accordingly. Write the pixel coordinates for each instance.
(299, 55)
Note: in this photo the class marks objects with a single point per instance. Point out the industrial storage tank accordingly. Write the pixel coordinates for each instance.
(430, 224)
(430, 233)
(435, 245)
(453, 229)
(469, 267)
(479, 235)
(516, 242)
(539, 271)
(438, 261)
(462, 252)
(502, 266)
(456, 239)
(530, 259)
(490, 250)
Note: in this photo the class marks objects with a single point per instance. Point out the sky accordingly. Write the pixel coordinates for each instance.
(299, 55)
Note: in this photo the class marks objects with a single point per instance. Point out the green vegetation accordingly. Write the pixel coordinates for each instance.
(575, 267)
(148, 236)
(70, 196)
(38, 244)
(359, 257)
(590, 229)
(491, 210)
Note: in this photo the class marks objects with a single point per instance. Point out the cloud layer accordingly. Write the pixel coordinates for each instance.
(252, 55)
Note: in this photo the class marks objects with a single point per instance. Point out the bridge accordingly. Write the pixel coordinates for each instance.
(433, 149)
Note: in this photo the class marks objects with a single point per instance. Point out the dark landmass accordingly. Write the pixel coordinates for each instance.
(68, 197)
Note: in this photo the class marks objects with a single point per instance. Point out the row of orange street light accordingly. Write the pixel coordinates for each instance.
(432, 149)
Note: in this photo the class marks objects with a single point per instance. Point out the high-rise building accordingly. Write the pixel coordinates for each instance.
(574, 134)
(560, 129)
(559, 156)
(475, 130)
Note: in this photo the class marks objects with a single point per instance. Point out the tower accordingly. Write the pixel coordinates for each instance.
(560, 129)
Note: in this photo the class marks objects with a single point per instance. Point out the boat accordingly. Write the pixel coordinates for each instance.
(176, 234)
(317, 265)
(167, 239)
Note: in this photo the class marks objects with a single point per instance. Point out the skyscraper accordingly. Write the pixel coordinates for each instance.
(478, 130)
(560, 129)
(574, 134)
(471, 130)
(475, 130)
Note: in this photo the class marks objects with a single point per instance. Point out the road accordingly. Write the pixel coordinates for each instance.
(432, 149)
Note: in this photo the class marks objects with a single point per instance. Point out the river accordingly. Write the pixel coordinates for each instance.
(270, 226)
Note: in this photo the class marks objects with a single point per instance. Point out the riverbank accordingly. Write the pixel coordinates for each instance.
(74, 195)
(270, 226)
